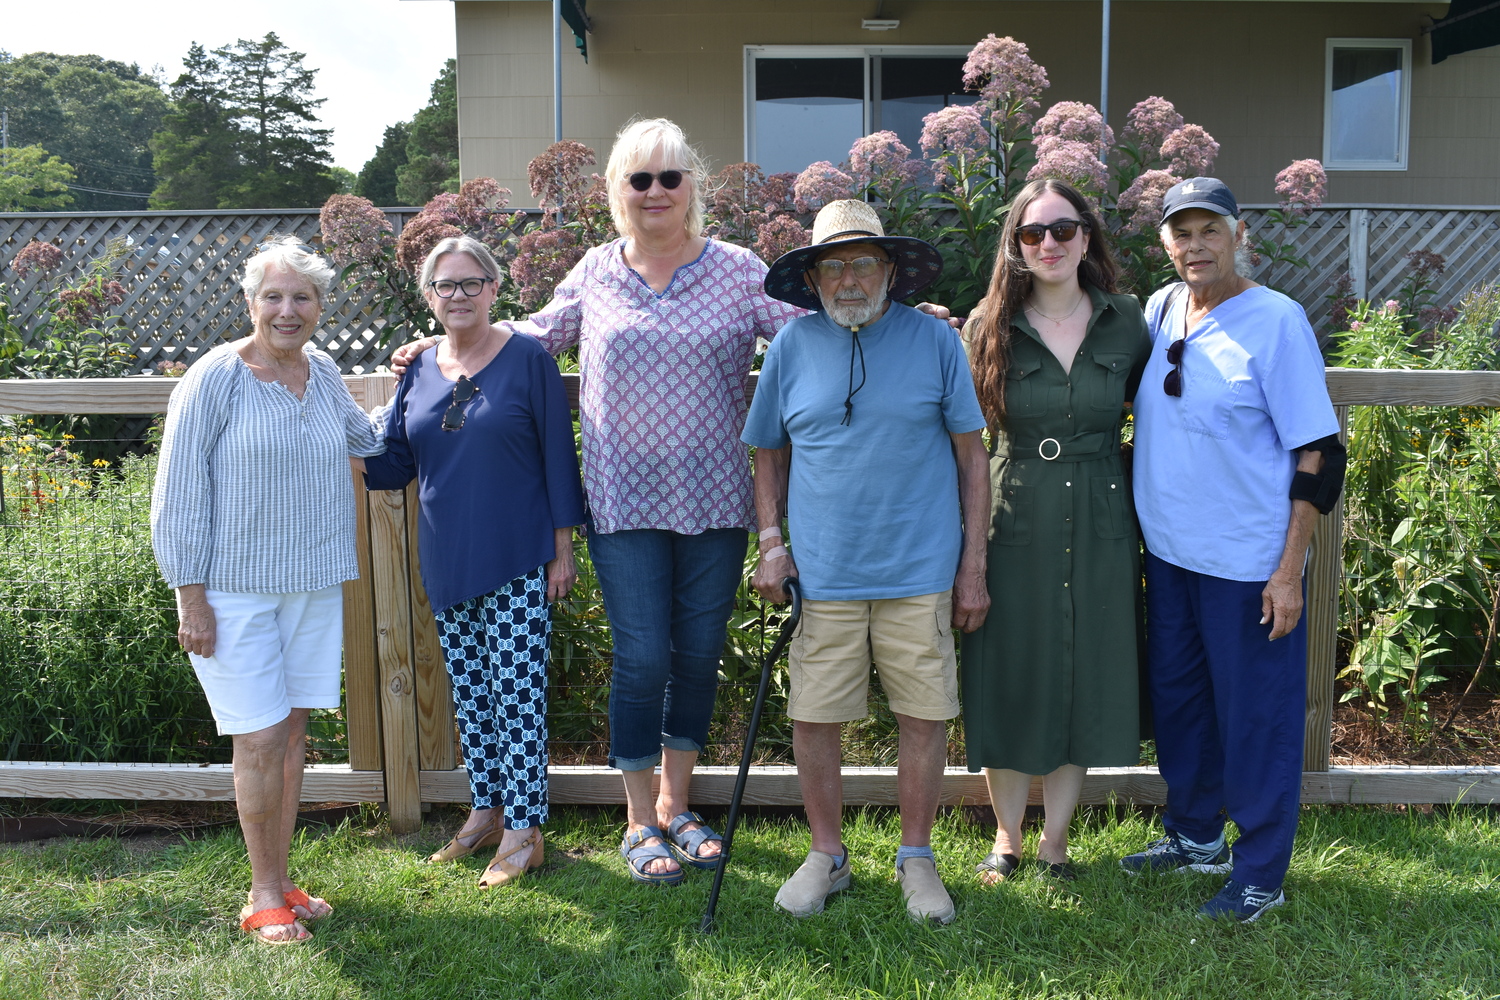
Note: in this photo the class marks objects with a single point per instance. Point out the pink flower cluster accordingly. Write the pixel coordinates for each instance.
(1150, 122)
(354, 230)
(418, 238)
(89, 300)
(1077, 122)
(779, 235)
(957, 130)
(777, 194)
(819, 184)
(556, 174)
(1140, 203)
(1076, 162)
(1302, 186)
(883, 160)
(37, 256)
(1006, 77)
(544, 258)
(171, 369)
(1190, 151)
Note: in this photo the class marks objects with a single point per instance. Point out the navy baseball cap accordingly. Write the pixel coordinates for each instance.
(1200, 192)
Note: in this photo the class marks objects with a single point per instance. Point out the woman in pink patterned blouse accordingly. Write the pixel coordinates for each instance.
(665, 320)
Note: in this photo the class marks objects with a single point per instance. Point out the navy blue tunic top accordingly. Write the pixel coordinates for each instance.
(492, 492)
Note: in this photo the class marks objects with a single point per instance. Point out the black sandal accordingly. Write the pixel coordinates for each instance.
(1001, 864)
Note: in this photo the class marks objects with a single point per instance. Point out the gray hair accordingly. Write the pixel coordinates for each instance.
(286, 251)
(1242, 253)
(632, 151)
(460, 244)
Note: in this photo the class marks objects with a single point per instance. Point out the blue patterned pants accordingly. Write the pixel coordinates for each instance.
(496, 649)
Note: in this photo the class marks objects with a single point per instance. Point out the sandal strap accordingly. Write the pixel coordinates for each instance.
(633, 839)
(270, 916)
(637, 854)
(689, 841)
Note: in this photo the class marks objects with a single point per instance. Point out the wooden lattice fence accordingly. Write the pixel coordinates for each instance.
(181, 296)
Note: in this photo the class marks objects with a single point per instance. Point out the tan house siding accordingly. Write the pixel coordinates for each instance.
(1249, 72)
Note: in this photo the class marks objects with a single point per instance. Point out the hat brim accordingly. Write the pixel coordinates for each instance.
(917, 262)
(1208, 206)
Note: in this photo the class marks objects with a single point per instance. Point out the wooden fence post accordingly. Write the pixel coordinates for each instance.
(1359, 250)
(393, 628)
(1325, 573)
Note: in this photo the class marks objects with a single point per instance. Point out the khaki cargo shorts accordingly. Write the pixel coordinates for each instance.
(910, 640)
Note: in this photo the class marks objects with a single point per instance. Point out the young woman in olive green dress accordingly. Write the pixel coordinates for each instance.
(1049, 682)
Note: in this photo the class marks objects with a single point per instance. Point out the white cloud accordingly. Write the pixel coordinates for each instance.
(376, 59)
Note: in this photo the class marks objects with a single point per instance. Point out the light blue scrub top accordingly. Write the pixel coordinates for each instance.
(1213, 467)
(873, 504)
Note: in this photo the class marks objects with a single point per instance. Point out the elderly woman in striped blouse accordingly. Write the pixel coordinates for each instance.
(252, 520)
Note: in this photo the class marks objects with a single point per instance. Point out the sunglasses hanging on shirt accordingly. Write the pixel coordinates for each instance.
(463, 391)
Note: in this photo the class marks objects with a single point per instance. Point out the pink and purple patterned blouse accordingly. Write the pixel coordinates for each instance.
(662, 387)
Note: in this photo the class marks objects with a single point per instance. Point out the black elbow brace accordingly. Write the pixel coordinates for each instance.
(1322, 488)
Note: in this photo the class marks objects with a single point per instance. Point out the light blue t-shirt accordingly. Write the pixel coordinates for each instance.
(872, 504)
(1213, 467)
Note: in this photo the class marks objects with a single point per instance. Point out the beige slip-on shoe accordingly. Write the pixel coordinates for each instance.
(803, 894)
(926, 899)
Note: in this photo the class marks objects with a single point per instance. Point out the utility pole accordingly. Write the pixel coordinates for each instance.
(4, 128)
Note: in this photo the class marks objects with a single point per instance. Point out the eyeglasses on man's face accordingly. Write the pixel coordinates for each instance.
(832, 269)
(471, 287)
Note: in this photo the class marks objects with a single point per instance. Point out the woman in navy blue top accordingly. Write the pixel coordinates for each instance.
(483, 425)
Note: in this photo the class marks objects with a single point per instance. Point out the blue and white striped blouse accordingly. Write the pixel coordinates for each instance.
(253, 493)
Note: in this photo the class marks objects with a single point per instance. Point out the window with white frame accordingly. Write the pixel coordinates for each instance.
(1366, 103)
(805, 103)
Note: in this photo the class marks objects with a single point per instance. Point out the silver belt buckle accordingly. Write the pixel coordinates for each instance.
(1041, 452)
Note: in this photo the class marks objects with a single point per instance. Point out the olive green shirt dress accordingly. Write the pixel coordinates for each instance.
(1051, 677)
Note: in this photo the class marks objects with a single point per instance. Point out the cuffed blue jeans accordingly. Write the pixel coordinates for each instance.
(1228, 707)
(669, 597)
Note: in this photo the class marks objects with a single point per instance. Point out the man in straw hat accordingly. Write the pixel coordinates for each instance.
(887, 506)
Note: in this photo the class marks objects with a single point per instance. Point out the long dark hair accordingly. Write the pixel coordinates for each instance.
(990, 331)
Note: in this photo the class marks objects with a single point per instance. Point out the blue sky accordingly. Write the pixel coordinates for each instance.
(376, 58)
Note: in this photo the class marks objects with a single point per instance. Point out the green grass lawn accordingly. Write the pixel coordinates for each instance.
(1382, 904)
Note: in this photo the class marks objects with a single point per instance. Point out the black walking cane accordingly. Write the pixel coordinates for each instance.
(791, 586)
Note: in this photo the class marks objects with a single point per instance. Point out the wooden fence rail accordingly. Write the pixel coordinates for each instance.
(400, 721)
(181, 297)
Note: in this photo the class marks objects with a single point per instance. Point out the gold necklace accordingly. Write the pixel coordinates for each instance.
(1053, 319)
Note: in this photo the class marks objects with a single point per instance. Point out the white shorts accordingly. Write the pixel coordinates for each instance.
(272, 653)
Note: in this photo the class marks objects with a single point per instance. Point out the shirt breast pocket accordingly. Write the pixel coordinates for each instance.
(1109, 387)
(1023, 393)
(1208, 401)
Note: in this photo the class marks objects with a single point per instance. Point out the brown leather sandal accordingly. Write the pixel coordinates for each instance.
(501, 871)
(456, 848)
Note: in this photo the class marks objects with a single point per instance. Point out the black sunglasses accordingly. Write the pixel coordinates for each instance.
(1062, 231)
(1172, 384)
(641, 179)
(463, 391)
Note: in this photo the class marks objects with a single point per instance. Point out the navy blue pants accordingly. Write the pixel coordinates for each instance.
(495, 646)
(1228, 706)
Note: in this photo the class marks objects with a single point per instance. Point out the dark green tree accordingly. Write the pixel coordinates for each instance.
(432, 148)
(196, 153)
(284, 157)
(377, 178)
(98, 115)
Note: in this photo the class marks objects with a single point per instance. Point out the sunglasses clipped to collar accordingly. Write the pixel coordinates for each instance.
(463, 391)
(1062, 231)
(641, 179)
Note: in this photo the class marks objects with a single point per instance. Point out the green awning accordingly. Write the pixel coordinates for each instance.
(1470, 25)
(577, 18)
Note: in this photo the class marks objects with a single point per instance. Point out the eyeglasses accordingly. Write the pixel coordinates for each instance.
(463, 391)
(832, 270)
(471, 287)
(641, 179)
(1172, 384)
(1062, 231)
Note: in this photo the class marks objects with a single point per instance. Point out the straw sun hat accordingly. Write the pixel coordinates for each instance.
(917, 263)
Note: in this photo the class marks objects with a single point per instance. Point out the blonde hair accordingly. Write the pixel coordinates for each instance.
(633, 149)
(287, 251)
